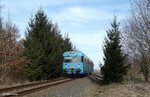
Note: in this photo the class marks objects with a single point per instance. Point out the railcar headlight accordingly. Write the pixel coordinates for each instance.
(66, 65)
(78, 65)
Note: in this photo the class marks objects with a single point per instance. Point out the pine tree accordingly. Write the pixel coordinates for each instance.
(114, 68)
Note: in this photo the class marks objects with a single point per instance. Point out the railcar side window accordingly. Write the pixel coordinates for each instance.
(82, 58)
(76, 59)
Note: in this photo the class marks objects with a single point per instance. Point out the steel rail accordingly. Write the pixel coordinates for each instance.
(32, 87)
(29, 91)
(97, 78)
(26, 85)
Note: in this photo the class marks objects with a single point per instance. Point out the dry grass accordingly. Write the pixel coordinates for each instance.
(119, 90)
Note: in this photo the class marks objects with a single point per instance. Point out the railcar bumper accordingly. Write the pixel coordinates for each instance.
(72, 71)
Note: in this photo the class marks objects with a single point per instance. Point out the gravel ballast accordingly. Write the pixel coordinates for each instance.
(119, 90)
(69, 89)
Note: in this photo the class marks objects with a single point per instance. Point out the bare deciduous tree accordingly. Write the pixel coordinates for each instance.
(137, 35)
(11, 59)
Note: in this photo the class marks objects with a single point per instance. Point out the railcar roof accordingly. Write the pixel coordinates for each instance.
(73, 53)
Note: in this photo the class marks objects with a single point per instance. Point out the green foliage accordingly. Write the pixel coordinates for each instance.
(114, 68)
(44, 46)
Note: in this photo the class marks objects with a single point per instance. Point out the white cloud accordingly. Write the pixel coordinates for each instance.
(78, 16)
(28, 4)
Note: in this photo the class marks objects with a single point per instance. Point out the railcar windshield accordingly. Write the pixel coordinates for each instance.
(72, 59)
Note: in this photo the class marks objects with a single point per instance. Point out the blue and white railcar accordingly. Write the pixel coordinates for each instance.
(76, 62)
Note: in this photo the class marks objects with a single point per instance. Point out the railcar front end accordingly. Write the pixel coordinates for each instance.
(76, 63)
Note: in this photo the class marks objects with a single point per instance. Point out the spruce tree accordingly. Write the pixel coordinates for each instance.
(37, 46)
(114, 68)
(44, 47)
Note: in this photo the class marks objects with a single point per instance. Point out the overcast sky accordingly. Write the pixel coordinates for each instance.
(85, 21)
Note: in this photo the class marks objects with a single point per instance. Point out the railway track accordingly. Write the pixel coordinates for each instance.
(21, 90)
(96, 77)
